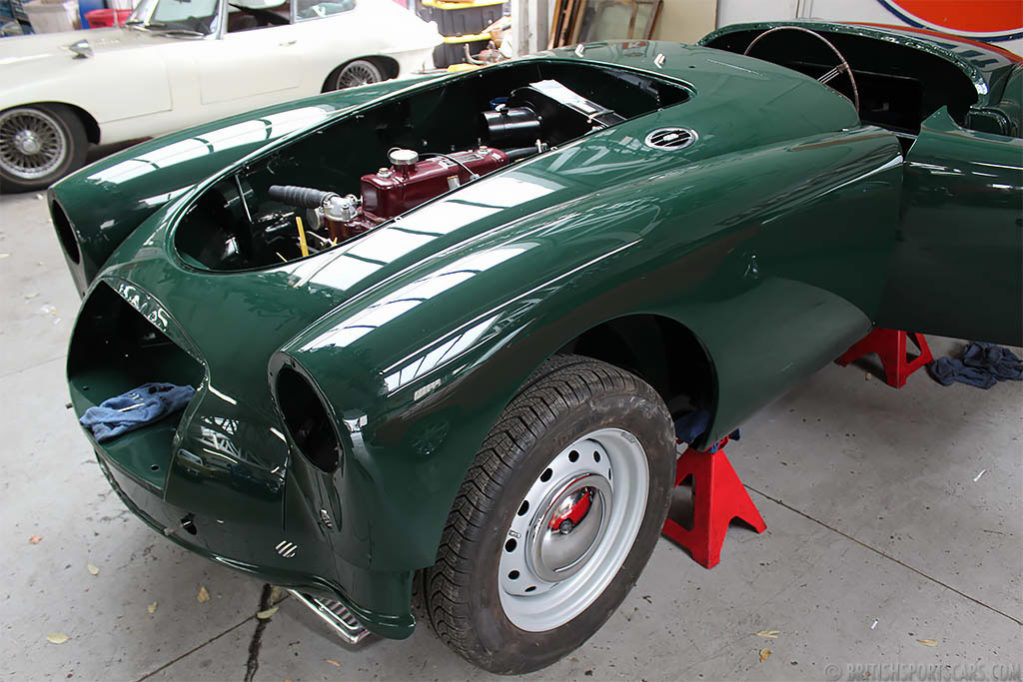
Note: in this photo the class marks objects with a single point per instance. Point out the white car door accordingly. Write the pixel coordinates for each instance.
(337, 31)
(250, 67)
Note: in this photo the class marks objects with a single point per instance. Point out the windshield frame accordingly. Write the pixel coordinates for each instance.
(142, 15)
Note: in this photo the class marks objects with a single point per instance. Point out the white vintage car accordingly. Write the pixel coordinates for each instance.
(176, 63)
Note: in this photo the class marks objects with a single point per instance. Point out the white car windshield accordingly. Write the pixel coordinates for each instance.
(186, 18)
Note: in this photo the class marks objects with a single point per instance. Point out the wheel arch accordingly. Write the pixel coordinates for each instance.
(388, 65)
(660, 350)
(92, 129)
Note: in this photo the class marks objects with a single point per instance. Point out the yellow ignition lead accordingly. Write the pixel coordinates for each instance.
(301, 238)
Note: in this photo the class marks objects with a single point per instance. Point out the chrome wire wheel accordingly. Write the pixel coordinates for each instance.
(359, 72)
(33, 144)
(573, 530)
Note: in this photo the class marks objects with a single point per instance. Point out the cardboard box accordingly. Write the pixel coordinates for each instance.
(53, 16)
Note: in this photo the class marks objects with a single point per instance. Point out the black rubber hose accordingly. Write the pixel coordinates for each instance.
(302, 197)
(520, 153)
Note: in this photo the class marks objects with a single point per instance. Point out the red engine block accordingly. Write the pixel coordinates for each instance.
(392, 191)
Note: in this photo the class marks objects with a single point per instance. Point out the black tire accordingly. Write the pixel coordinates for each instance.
(566, 399)
(355, 72)
(69, 131)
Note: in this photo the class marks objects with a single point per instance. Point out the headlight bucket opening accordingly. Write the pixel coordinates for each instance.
(65, 232)
(307, 420)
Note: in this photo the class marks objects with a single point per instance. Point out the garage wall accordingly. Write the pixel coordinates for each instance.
(736, 11)
(682, 21)
(686, 21)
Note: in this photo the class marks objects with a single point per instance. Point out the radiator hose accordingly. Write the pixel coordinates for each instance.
(302, 197)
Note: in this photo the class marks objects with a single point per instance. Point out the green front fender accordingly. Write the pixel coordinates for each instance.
(416, 370)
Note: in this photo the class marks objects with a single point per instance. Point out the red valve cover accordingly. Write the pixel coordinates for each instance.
(394, 190)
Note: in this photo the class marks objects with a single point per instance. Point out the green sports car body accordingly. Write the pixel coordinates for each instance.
(720, 225)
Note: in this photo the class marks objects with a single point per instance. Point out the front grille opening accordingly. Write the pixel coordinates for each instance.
(114, 349)
(307, 420)
(65, 232)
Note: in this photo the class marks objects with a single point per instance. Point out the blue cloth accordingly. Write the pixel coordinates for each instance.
(118, 415)
(981, 365)
(691, 426)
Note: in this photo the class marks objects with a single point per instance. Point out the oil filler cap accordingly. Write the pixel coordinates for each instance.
(402, 157)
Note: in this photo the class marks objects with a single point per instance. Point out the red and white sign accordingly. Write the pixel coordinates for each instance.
(989, 20)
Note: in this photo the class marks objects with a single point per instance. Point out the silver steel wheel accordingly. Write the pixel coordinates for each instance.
(359, 72)
(573, 530)
(32, 143)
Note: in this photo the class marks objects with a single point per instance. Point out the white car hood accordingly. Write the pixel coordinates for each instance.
(41, 46)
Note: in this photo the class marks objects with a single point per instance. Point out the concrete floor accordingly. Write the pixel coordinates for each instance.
(880, 534)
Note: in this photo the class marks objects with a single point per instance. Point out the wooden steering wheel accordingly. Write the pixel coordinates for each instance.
(843, 65)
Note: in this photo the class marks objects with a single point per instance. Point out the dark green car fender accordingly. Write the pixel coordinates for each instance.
(413, 403)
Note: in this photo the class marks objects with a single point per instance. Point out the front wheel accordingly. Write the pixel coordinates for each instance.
(556, 518)
(39, 144)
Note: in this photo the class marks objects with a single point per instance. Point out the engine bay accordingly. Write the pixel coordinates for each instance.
(300, 200)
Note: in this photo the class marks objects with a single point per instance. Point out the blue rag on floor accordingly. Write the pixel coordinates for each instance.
(118, 415)
(981, 365)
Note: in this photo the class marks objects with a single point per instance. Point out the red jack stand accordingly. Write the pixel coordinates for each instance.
(890, 346)
(718, 498)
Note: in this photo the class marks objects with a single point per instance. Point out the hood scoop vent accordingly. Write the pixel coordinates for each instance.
(671, 138)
